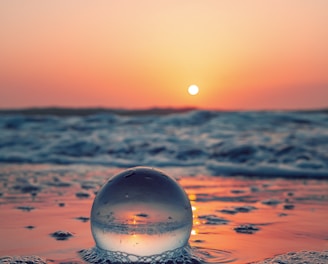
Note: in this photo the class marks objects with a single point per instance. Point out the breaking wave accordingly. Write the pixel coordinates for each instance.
(268, 144)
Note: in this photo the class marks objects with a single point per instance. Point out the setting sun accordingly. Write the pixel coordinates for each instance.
(193, 89)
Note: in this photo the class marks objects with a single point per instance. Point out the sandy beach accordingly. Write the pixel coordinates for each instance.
(45, 212)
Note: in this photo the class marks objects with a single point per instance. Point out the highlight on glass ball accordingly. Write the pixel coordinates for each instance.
(139, 213)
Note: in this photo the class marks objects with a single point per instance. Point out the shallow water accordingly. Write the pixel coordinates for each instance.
(235, 218)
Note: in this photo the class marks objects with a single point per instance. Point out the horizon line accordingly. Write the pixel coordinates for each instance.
(83, 111)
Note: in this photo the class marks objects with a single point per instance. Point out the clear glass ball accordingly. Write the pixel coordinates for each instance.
(141, 211)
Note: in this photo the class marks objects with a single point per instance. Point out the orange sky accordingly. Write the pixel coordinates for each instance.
(136, 54)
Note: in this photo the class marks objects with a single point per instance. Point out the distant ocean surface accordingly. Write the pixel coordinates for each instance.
(265, 144)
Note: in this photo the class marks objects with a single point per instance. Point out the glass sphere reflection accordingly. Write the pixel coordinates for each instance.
(141, 211)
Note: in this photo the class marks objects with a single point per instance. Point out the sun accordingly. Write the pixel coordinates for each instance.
(193, 89)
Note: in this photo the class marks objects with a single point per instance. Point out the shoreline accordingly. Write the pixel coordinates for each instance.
(285, 215)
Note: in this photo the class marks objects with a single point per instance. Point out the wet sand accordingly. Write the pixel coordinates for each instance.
(45, 213)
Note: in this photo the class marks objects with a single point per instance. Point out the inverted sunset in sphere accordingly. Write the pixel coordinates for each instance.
(141, 212)
(193, 89)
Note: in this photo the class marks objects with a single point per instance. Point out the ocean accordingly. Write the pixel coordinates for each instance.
(197, 142)
(257, 183)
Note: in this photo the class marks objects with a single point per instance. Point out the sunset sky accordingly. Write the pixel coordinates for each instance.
(137, 54)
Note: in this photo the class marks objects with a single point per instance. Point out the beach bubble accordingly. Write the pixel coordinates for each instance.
(141, 212)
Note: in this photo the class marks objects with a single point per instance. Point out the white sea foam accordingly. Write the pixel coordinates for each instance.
(269, 144)
(299, 257)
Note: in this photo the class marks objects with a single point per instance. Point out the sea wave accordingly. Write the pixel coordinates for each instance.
(268, 144)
